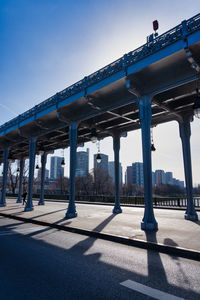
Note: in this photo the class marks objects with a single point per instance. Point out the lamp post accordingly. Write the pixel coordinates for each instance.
(196, 107)
(93, 135)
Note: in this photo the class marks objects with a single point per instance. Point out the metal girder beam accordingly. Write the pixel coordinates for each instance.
(167, 108)
(120, 116)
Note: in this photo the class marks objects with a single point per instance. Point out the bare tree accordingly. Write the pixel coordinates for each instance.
(13, 177)
(62, 183)
(102, 184)
(84, 184)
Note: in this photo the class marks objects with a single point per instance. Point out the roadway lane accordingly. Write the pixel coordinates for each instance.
(41, 263)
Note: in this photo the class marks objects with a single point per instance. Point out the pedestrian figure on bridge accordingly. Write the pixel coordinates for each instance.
(24, 197)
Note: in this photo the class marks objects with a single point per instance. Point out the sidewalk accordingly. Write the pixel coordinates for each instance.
(175, 235)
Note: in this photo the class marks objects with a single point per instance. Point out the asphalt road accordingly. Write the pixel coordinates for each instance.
(41, 263)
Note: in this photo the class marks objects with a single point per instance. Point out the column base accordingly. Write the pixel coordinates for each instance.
(147, 226)
(41, 203)
(19, 201)
(28, 208)
(2, 204)
(117, 210)
(70, 215)
(193, 217)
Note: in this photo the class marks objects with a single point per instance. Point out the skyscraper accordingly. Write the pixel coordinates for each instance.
(111, 171)
(169, 177)
(56, 169)
(82, 163)
(137, 173)
(128, 175)
(160, 177)
(103, 164)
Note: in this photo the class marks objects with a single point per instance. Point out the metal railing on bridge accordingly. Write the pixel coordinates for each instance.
(158, 201)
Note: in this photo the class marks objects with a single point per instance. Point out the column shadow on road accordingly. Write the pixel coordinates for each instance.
(49, 228)
(171, 242)
(42, 215)
(154, 262)
(76, 263)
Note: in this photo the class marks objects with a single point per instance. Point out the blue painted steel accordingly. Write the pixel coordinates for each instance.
(116, 147)
(71, 211)
(19, 199)
(178, 33)
(145, 114)
(185, 133)
(5, 171)
(32, 146)
(43, 162)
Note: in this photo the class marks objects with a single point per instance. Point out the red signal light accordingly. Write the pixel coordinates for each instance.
(155, 25)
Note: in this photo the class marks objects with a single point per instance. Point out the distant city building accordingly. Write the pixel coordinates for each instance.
(137, 173)
(82, 163)
(178, 182)
(103, 164)
(169, 177)
(46, 174)
(56, 170)
(160, 177)
(128, 175)
(153, 179)
(111, 171)
(134, 175)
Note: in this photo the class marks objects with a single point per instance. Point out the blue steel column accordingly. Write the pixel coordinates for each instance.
(32, 146)
(43, 162)
(71, 211)
(116, 147)
(19, 199)
(149, 221)
(5, 171)
(185, 133)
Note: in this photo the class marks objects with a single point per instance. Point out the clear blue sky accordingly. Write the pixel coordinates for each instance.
(47, 45)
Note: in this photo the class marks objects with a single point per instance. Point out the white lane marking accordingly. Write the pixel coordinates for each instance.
(25, 230)
(146, 290)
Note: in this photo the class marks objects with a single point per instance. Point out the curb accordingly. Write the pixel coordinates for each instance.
(176, 251)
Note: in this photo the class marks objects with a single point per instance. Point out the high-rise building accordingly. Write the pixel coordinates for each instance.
(160, 177)
(128, 175)
(46, 174)
(153, 179)
(137, 173)
(56, 170)
(82, 163)
(111, 171)
(103, 164)
(169, 177)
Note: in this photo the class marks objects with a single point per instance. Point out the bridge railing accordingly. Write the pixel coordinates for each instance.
(179, 32)
(127, 200)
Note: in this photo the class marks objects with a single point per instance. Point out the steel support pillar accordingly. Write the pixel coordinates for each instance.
(149, 221)
(71, 210)
(43, 162)
(32, 146)
(21, 171)
(185, 133)
(5, 172)
(116, 147)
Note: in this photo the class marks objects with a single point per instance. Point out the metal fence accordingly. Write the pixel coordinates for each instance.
(127, 200)
(130, 200)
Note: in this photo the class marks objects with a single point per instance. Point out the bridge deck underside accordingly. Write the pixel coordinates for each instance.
(113, 107)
